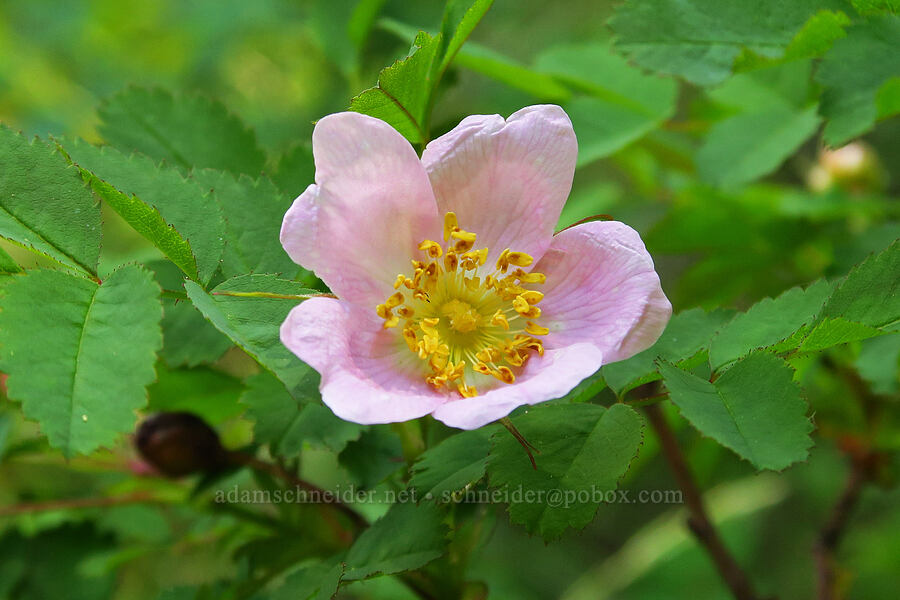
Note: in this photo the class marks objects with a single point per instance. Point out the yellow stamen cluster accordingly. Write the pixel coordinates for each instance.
(461, 323)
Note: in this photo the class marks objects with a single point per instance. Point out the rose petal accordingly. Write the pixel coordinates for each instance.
(602, 288)
(360, 224)
(507, 181)
(368, 374)
(543, 378)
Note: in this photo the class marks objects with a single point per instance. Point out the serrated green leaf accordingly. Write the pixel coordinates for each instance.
(250, 310)
(8, 266)
(494, 65)
(452, 465)
(768, 322)
(407, 537)
(253, 212)
(312, 581)
(834, 332)
(754, 408)
(403, 92)
(699, 40)
(818, 34)
(783, 85)
(853, 72)
(189, 339)
(211, 395)
(870, 294)
(687, 334)
(188, 131)
(286, 424)
(375, 455)
(86, 379)
(146, 220)
(296, 171)
(44, 204)
(747, 146)
(584, 450)
(190, 218)
(460, 19)
(623, 103)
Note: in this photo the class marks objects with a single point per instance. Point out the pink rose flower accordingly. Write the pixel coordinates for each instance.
(455, 298)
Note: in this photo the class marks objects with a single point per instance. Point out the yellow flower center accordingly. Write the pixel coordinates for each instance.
(461, 323)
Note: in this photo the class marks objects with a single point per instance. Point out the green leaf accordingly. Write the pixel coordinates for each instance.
(494, 65)
(407, 537)
(44, 204)
(768, 322)
(870, 294)
(253, 212)
(401, 97)
(312, 581)
(79, 362)
(699, 40)
(405, 91)
(784, 85)
(375, 455)
(165, 199)
(623, 103)
(853, 72)
(211, 395)
(460, 19)
(187, 131)
(296, 170)
(250, 310)
(189, 339)
(454, 464)
(749, 145)
(879, 363)
(584, 450)
(8, 266)
(285, 424)
(687, 334)
(755, 408)
(873, 7)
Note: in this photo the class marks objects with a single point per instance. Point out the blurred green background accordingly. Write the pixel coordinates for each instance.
(280, 65)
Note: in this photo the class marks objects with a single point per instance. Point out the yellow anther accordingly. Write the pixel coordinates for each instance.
(535, 329)
(433, 249)
(499, 320)
(437, 362)
(520, 259)
(503, 261)
(466, 391)
(417, 264)
(428, 324)
(478, 257)
(463, 236)
(451, 261)
(482, 368)
(395, 300)
(383, 311)
(406, 312)
(392, 321)
(472, 283)
(521, 305)
(504, 374)
(463, 317)
(420, 295)
(530, 277)
(400, 281)
(409, 335)
(531, 296)
(489, 354)
(450, 225)
(514, 357)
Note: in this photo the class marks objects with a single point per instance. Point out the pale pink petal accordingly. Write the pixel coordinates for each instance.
(360, 224)
(507, 181)
(542, 378)
(368, 374)
(602, 288)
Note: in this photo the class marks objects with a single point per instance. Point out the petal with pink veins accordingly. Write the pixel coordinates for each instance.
(602, 288)
(507, 180)
(360, 224)
(368, 374)
(542, 378)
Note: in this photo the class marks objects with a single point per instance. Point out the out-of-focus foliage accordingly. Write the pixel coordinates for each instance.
(751, 144)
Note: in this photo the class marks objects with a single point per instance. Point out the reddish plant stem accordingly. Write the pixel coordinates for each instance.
(698, 521)
(73, 503)
(831, 534)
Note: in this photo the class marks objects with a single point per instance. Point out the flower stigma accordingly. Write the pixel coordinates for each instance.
(461, 322)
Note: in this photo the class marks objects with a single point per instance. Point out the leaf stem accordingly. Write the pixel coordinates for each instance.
(699, 522)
